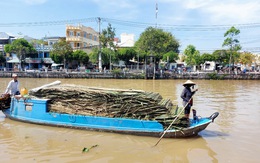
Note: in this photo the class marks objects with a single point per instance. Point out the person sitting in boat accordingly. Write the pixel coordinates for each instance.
(13, 86)
(186, 95)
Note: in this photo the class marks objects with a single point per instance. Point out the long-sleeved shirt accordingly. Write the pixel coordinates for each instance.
(12, 87)
(186, 94)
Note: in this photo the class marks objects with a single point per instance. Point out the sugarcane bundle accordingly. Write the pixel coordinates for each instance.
(75, 99)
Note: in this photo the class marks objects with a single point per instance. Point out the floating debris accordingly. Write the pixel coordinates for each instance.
(85, 149)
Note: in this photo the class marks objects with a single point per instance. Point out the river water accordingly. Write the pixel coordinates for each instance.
(233, 137)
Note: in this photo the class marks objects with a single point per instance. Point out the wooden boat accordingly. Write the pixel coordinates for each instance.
(36, 111)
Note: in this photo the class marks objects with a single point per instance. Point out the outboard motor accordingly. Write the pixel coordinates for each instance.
(195, 118)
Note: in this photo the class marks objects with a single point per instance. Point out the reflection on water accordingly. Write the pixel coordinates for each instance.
(232, 138)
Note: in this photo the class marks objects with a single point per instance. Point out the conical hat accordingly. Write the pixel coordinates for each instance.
(14, 75)
(189, 82)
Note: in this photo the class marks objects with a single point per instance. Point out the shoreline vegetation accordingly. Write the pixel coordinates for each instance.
(133, 75)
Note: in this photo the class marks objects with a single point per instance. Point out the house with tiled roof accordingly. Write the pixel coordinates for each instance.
(42, 59)
(5, 39)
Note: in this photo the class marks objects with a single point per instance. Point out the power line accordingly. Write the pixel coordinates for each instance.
(133, 24)
(139, 26)
(48, 23)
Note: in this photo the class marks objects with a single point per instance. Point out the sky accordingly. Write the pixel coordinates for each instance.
(201, 23)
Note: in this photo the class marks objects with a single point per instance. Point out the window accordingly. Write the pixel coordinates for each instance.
(71, 33)
(85, 34)
(90, 36)
(78, 34)
(47, 55)
(72, 44)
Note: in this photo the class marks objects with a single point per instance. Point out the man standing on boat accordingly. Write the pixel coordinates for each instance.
(13, 86)
(186, 95)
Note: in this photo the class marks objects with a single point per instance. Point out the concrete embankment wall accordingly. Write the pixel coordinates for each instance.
(216, 76)
(55, 75)
(97, 75)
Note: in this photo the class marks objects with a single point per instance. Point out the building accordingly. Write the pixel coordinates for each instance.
(50, 41)
(126, 40)
(43, 50)
(209, 66)
(11, 60)
(81, 37)
(40, 60)
(5, 39)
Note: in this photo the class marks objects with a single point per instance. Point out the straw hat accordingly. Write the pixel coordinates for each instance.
(189, 82)
(14, 75)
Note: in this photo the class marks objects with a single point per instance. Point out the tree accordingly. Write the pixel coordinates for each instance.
(221, 56)
(236, 56)
(22, 48)
(192, 56)
(39, 42)
(107, 37)
(80, 56)
(93, 56)
(170, 56)
(232, 42)
(246, 58)
(62, 51)
(107, 41)
(8, 48)
(84, 58)
(126, 54)
(156, 42)
(107, 56)
(207, 57)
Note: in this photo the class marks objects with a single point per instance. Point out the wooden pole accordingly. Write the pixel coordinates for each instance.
(173, 122)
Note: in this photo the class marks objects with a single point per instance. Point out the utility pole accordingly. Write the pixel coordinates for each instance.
(156, 13)
(99, 52)
(230, 57)
(154, 60)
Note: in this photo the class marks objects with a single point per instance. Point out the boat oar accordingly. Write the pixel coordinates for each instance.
(173, 121)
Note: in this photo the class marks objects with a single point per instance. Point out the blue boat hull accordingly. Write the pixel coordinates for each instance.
(36, 111)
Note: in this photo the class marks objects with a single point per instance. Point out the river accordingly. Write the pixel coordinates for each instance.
(233, 137)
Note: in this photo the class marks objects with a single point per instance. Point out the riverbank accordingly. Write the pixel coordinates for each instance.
(132, 75)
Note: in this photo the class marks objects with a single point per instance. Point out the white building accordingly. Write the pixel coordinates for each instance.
(209, 66)
(126, 40)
